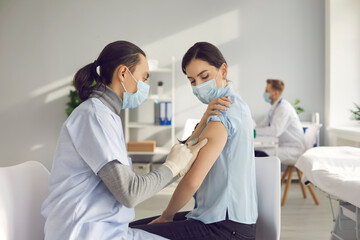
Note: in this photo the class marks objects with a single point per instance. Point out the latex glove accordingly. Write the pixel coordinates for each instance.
(181, 157)
(178, 158)
(194, 147)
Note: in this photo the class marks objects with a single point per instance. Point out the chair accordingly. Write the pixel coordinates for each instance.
(311, 137)
(269, 194)
(23, 188)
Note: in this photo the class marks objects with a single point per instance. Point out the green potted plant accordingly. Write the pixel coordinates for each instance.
(298, 109)
(356, 112)
(74, 101)
(160, 88)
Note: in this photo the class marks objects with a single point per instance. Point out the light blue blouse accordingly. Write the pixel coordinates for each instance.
(79, 205)
(230, 184)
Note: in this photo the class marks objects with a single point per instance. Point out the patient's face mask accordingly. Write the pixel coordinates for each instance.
(267, 97)
(207, 91)
(133, 100)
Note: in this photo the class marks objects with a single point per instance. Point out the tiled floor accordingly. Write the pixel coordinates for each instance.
(300, 218)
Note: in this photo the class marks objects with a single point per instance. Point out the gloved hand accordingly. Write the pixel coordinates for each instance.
(194, 149)
(180, 156)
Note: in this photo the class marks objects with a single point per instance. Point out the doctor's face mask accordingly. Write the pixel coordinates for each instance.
(133, 100)
(267, 97)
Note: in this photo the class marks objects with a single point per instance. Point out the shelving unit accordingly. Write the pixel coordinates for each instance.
(130, 125)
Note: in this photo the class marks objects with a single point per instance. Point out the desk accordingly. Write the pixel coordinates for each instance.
(266, 142)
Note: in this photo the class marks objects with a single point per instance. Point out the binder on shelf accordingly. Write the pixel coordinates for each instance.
(168, 117)
(162, 113)
(157, 112)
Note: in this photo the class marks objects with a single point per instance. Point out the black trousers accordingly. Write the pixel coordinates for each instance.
(181, 228)
(260, 154)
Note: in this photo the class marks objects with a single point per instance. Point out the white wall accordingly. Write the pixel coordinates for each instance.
(43, 43)
(343, 61)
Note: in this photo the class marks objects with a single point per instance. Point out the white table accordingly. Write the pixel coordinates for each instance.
(266, 142)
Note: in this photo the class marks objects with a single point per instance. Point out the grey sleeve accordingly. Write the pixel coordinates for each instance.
(131, 189)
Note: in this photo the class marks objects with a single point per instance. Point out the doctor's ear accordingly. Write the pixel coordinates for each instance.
(277, 93)
(121, 72)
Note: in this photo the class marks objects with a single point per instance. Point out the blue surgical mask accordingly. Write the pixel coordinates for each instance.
(267, 98)
(133, 100)
(208, 90)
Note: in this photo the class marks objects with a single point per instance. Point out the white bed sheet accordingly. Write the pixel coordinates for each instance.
(335, 170)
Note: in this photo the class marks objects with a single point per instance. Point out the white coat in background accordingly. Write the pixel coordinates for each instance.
(283, 122)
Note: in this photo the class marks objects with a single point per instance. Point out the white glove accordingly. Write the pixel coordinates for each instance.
(194, 149)
(177, 159)
(180, 157)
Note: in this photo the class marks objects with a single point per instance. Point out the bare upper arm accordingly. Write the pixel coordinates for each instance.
(216, 134)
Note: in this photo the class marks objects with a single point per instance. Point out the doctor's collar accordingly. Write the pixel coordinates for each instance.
(108, 97)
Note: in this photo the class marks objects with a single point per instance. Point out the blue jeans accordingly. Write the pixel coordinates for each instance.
(181, 228)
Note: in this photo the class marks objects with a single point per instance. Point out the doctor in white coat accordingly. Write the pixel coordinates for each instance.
(282, 122)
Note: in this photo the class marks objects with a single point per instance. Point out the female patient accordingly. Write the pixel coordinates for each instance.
(223, 175)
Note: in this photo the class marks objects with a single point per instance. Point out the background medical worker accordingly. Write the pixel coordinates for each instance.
(282, 122)
(223, 174)
(92, 186)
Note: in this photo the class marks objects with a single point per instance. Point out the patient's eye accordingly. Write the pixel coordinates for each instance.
(205, 76)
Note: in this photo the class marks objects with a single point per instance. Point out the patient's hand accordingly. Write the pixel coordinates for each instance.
(162, 219)
(220, 104)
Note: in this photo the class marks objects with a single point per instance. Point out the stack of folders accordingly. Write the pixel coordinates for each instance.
(141, 146)
(163, 112)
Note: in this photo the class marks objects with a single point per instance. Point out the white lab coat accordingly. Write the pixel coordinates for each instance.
(79, 205)
(283, 122)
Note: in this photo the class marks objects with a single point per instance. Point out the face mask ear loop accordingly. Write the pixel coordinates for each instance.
(123, 86)
(222, 80)
(132, 76)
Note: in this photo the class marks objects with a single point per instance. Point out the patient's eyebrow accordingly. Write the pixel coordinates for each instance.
(199, 73)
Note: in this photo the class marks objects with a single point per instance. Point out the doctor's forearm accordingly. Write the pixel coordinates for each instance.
(131, 189)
